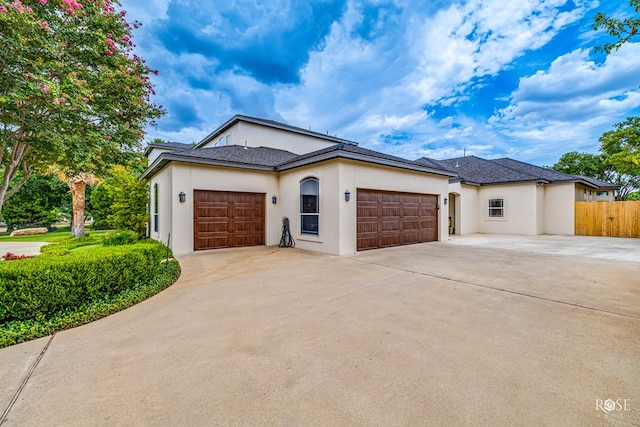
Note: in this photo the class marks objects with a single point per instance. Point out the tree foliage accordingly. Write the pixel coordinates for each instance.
(618, 161)
(585, 164)
(622, 29)
(38, 202)
(101, 204)
(72, 91)
(130, 197)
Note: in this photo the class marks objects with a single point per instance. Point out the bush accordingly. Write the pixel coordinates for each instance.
(19, 331)
(40, 287)
(120, 237)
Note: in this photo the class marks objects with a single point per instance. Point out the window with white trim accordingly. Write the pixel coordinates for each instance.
(496, 208)
(309, 206)
(156, 206)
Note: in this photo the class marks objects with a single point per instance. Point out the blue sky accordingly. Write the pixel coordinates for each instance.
(491, 78)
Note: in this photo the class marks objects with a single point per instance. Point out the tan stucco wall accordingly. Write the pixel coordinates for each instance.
(529, 208)
(331, 209)
(165, 220)
(337, 216)
(467, 220)
(559, 209)
(259, 136)
(587, 194)
(187, 178)
(154, 153)
(521, 212)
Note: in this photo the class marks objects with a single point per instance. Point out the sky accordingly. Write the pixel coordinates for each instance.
(411, 78)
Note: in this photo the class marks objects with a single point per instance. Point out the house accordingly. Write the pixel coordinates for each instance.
(506, 196)
(234, 187)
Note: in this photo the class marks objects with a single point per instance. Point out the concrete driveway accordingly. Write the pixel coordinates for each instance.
(430, 334)
(21, 248)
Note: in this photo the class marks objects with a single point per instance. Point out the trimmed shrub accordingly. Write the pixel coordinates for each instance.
(40, 287)
(120, 237)
(19, 331)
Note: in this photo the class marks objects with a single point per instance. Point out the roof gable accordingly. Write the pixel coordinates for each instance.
(272, 124)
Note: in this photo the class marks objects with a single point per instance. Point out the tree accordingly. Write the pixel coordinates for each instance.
(101, 204)
(622, 29)
(621, 148)
(585, 164)
(77, 182)
(617, 161)
(73, 93)
(39, 202)
(130, 197)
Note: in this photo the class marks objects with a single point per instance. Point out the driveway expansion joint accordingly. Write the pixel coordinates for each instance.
(26, 379)
(464, 282)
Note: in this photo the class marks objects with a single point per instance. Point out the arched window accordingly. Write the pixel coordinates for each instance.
(155, 207)
(309, 206)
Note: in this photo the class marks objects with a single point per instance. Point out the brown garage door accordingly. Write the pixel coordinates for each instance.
(224, 219)
(391, 219)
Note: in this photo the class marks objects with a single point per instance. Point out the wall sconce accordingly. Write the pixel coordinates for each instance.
(445, 200)
(347, 196)
(274, 199)
(182, 197)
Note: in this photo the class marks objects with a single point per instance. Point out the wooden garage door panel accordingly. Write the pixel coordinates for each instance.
(225, 219)
(391, 218)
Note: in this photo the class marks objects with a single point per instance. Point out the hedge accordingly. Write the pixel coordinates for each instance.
(19, 331)
(36, 289)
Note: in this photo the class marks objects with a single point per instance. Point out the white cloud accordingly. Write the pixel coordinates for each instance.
(575, 90)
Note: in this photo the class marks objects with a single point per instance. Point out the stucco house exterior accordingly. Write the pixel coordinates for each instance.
(234, 187)
(506, 196)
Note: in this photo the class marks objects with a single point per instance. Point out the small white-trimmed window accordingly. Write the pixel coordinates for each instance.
(309, 206)
(156, 207)
(602, 193)
(496, 208)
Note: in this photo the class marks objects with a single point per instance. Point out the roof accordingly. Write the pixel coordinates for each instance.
(474, 170)
(167, 146)
(275, 160)
(270, 124)
(354, 152)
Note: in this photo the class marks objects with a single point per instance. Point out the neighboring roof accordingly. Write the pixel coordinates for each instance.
(271, 159)
(598, 183)
(270, 124)
(167, 146)
(473, 170)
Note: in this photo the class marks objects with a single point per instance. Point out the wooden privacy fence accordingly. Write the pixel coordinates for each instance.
(611, 219)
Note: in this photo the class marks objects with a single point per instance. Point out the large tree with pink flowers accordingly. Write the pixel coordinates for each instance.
(72, 92)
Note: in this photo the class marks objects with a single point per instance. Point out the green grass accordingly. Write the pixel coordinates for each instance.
(53, 236)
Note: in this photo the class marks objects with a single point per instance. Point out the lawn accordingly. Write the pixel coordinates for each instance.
(52, 236)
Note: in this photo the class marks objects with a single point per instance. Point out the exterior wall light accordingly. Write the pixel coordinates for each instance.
(445, 200)
(274, 199)
(347, 196)
(182, 197)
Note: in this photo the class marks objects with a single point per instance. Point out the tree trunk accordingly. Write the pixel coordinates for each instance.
(78, 185)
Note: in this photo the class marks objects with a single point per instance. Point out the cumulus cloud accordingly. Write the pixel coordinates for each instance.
(575, 99)
(419, 78)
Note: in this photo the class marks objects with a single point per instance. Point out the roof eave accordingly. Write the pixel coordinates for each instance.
(166, 158)
(361, 157)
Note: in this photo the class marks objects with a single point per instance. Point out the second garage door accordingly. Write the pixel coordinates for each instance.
(223, 219)
(388, 218)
